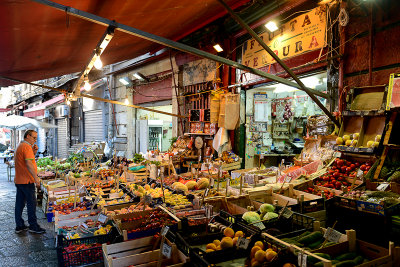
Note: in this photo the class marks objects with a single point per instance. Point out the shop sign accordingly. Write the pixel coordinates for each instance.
(297, 36)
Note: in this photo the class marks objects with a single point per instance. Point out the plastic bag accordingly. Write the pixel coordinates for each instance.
(215, 99)
(221, 117)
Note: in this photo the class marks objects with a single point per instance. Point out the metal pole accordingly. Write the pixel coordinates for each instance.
(279, 61)
(94, 97)
(169, 43)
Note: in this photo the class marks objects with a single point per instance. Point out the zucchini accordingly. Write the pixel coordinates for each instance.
(311, 238)
(301, 235)
(346, 256)
(358, 260)
(347, 263)
(313, 260)
(316, 244)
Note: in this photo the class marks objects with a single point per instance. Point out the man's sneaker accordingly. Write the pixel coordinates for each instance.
(37, 230)
(21, 229)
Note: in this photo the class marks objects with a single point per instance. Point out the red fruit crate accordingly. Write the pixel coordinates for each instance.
(82, 251)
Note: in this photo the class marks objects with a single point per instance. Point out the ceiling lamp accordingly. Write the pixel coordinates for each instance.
(126, 101)
(140, 76)
(271, 26)
(87, 85)
(98, 64)
(125, 81)
(218, 48)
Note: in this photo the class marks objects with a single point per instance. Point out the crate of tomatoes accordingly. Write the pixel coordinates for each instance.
(86, 250)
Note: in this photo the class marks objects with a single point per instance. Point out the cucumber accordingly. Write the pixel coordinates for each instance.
(358, 260)
(347, 263)
(329, 244)
(346, 256)
(313, 260)
(311, 238)
(302, 235)
(316, 244)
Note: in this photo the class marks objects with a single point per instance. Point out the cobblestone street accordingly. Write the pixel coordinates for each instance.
(24, 249)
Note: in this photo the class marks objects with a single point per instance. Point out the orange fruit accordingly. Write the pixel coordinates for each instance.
(260, 244)
(239, 233)
(235, 240)
(254, 250)
(229, 232)
(270, 255)
(209, 250)
(217, 242)
(211, 246)
(260, 255)
(226, 242)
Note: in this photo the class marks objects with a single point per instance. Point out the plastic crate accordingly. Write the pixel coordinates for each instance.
(84, 256)
(187, 242)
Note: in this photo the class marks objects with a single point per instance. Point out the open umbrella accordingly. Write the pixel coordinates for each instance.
(15, 122)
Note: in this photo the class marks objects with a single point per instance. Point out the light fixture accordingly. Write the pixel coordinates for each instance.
(126, 101)
(282, 88)
(125, 81)
(271, 26)
(68, 102)
(87, 85)
(140, 76)
(98, 64)
(218, 48)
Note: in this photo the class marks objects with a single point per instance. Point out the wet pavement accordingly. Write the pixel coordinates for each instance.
(24, 249)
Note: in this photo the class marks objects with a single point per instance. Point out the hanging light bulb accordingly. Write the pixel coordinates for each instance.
(126, 101)
(68, 102)
(98, 64)
(87, 85)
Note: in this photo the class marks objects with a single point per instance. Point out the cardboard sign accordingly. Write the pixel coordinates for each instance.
(166, 250)
(206, 192)
(243, 242)
(260, 225)
(382, 186)
(102, 218)
(302, 259)
(147, 199)
(286, 213)
(113, 195)
(332, 235)
(164, 230)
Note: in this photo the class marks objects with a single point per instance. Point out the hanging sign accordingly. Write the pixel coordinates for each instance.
(299, 35)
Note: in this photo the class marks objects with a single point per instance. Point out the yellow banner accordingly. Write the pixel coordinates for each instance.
(299, 35)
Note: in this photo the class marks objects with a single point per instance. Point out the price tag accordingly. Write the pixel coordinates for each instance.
(243, 243)
(209, 211)
(147, 199)
(102, 218)
(260, 225)
(302, 259)
(206, 192)
(360, 174)
(113, 195)
(85, 225)
(212, 182)
(382, 186)
(332, 235)
(288, 179)
(164, 230)
(166, 250)
(287, 213)
(196, 203)
(337, 154)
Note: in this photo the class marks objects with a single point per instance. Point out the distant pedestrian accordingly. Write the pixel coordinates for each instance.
(25, 180)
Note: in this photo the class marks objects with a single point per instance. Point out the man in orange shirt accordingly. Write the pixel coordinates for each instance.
(25, 180)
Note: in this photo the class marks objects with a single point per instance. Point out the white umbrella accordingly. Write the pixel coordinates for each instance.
(15, 122)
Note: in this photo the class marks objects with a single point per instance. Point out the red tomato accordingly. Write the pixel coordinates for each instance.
(357, 164)
(334, 167)
(343, 169)
(348, 169)
(340, 163)
(363, 167)
(352, 166)
(336, 175)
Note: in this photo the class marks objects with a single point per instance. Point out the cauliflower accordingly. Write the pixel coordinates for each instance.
(251, 217)
(264, 208)
(270, 216)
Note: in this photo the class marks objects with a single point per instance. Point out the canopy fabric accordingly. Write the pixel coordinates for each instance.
(39, 42)
(15, 122)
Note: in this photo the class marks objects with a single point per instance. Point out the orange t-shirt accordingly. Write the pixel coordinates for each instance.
(22, 175)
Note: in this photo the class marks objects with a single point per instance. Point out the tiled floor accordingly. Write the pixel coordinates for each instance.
(24, 249)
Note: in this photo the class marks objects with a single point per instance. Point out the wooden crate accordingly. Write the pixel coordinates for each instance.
(232, 166)
(140, 253)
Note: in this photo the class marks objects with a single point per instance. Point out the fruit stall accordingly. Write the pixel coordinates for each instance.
(279, 216)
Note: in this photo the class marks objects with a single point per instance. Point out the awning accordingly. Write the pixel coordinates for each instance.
(39, 42)
(39, 109)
